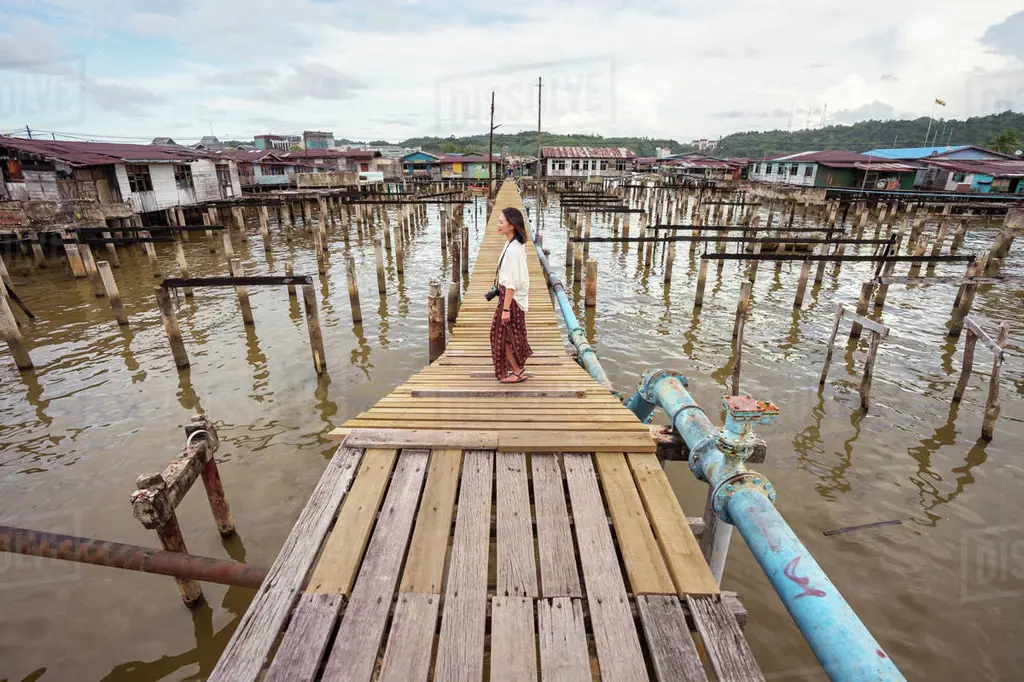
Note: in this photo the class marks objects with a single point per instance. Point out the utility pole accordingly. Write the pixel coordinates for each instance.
(29, 131)
(539, 86)
(490, 154)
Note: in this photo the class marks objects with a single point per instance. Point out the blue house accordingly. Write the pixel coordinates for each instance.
(421, 163)
(964, 152)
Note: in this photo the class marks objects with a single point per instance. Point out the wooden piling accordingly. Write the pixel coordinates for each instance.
(92, 271)
(316, 339)
(670, 259)
(862, 308)
(590, 294)
(229, 248)
(965, 299)
(464, 260)
(9, 331)
(801, 285)
(289, 271)
(74, 255)
(113, 295)
(869, 369)
(111, 251)
(236, 211)
(170, 321)
(210, 242)
(265, 226)
(702, 276)
(435, 321)
(179, 255)
(353, 290)
(243, 293)
(742, 307)
(883, 288)
(378, 251)
(39, 258)
(453, 301)
(965, 373)
(831, 344)
(992, 405)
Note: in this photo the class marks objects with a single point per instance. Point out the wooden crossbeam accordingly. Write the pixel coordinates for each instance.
(253, 280)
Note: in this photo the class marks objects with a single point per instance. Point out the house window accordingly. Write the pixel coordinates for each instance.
(794, 169)
(620, 165)
(767, 169)
(604, 165)
(808, 171)
(139, 179)
(560, 164)
(12, 171)
(183, 177)
(586, 165)
(958, 177)
(223, 175)
(575, 164)
(757, 168)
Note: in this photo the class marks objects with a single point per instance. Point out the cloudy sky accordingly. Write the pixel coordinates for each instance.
(399, 68)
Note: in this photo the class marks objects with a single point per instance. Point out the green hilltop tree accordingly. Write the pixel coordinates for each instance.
(1007, 142)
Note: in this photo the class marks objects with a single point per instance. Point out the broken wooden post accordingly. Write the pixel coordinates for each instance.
(265, 226)
(113, 295)
(435, 321)
(831, 344)
(702, 276)
(590, 293)
(240, 223)
(208, 220)
(229, 248)
(353, 290)
(10, 332)
(883, 287)
(289, 271)
(179, 255)
(378, 251)
(453, 301)
(73, 254)
(111, 251)
(318, 249)
(965, 373)
(243, 293)
(89, 261)
(992, 406)
(869, 368)
(170, 321)
(741, 321)
(316, 339)
(965, 299)
(742, 306)
(801, 285)
(862, 307)
(456, 257)
(670, 259)
(464, 260)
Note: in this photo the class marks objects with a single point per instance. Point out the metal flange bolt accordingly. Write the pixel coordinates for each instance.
(744, 480)
(742, 413)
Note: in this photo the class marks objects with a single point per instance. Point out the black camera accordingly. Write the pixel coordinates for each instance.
(492, 293)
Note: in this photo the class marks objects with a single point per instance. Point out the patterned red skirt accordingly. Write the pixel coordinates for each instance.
(512, 333)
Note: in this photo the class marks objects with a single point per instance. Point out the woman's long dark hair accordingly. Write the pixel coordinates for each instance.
(515, 218)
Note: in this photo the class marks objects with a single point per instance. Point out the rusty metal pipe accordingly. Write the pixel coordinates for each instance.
(130, 557)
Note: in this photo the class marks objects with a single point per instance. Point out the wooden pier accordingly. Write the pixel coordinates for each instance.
(472, 530)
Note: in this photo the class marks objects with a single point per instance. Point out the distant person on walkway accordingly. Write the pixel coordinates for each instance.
(509, 347)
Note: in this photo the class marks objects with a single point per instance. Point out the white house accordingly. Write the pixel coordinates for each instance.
(584, 162)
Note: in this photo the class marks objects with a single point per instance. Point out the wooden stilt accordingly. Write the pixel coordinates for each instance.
(831, 344)
(353, 290)
(265, 226)
(862, 308)
(453, 301)
(590, 295)
(992, 406)
(74, 255)
(378, 251)
(243, 293)
(742, 306)
(113, 295)
(210, 242)
(316, 339)
(869, 369)
(965, 374)
(670, 258)
(435, 321)
(289, 271)
(179, 255)
(92, 271)
(702, 275)
(741, 322)
(801, 285)
(150, 250)
(9, 331)
(229, 248)
(111, 251)
(170, 321)
(39, 258)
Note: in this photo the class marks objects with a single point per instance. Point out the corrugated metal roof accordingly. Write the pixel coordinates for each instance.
(468, 158)
(587, 153)
(995, 168)
(101, 153)
(913, 152)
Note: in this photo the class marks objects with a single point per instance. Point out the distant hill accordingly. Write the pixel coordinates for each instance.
(859, 137)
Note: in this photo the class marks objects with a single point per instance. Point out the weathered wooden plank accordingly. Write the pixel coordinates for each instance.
(246, 652)
(354, 653)
(306, 639)
(640, 552)
(517, 567)
(866, 322)
(513, 643)
(558, 574)
(419, 438)
(562, 640)
(724, 642)
(615, 636)
(424, 566)
(673, 653)
(460, 649)
(497, 393)
(411, 642)
(575, 441)
(336, 569)
(682, 554)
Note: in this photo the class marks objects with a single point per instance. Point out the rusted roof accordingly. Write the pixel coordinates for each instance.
(997, 168)
(468, 158)
(587, 153)
(102, 153)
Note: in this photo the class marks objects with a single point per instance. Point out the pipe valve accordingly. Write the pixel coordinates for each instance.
(742, 413)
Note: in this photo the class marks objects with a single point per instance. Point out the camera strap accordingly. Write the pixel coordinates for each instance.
(497, 270)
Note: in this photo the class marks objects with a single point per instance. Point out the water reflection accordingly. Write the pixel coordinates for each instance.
(360, 356)
(187, 396)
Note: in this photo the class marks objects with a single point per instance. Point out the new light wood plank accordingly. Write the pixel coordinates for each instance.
(673, 653)
(575, 441)
(336, 570)
(726, 647)
(690, 573)
(354, 653)
(460, 649)
(246, 652)
(511, 392)
(411, 642)
(558, 574)
(640, 552)
(424, 567)
(517, 567)
(615, 636)
(562, 637)
(306, 639)
(420, 438)
(513, 642)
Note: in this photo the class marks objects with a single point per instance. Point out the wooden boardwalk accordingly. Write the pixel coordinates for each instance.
(442, 544)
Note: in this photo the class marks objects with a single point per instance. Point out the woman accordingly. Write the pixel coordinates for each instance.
(509, 347)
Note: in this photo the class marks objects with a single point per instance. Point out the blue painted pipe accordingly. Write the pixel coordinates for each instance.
(743, 498)
(586, 356)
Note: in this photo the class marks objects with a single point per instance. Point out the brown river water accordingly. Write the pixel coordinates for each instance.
(943, 592)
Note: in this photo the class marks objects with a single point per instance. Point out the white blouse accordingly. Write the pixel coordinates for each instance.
(513, 273)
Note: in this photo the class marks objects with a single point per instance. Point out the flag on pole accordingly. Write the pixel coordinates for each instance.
(940, 102)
